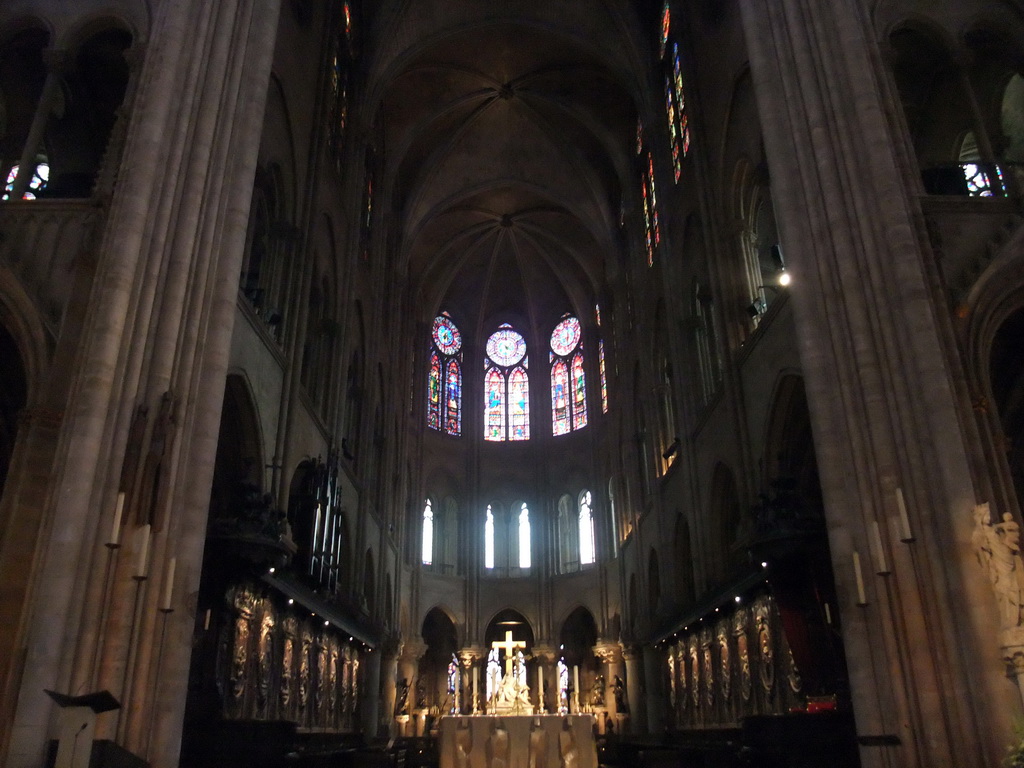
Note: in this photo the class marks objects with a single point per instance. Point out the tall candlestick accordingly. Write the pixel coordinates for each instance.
(881, 566)
(862, 598)
(905, 533)
(143, 561)
(576, 685)
(115, 530)
(165, 604)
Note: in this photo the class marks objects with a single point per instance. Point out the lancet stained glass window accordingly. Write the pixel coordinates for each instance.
(36, 184)
(445, 374)
(428, 533)
(524, 536)
(506, 386)
(586, 525)
(675, 98)
(652, 230)
(342, 55)
(568, 381)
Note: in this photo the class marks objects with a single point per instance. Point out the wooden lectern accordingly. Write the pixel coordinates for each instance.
(78, 724)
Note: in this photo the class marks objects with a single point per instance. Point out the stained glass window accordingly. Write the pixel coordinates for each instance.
(342, 55)
(453, 686)
(428, 533)
(666, 23)
(40, 177)
(568, 381)
(597, 314)
(604, 376)
(563, 687)
(445, 372)
(506, 386)
(524, 537)
(652, 229)
(586, 525)
(675, 99)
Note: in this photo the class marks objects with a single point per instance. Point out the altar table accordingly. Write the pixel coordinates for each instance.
(506, 741)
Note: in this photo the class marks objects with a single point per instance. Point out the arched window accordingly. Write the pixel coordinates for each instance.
(588, 550)
(444, 411)
(342, 56)
(568, 541)
(489, 539)
(428, 533)
(36, 183)
(568, 382)
(675, 99)
(601, 363)
(506, 386)
(652, 229)
(524, 537)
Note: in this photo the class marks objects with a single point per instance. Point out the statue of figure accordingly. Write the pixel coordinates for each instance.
(421, 694)
(463, 743)
(567, 747)
(402, 697)
(538, 745)
(597, 692)
(998, 549)
(619, 689)
(497, 745)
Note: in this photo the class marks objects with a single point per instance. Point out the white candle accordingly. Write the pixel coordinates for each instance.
(115, 530)
(540, 687)
(828, 614)
(862, 598)
(142, 562)
(576, 685)
(905, 533)
(168, 584)
(881, 566)
(206, 620)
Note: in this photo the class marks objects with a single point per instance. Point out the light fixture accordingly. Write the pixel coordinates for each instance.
(272, 569)
(785, 278)
(737, 598)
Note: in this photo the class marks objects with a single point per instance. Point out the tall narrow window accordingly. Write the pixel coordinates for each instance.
(506, 386)
(586, 522)
(342, 56)
(568, 381)
(489, 539)
(648, 193)
(444, 413)
(524, 537)
(453, 686)
(428, 533)
(604, 376)
(675, 99)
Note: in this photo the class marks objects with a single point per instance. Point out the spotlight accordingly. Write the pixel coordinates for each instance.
(785, 278)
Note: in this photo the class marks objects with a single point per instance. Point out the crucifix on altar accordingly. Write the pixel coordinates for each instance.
(509, 646)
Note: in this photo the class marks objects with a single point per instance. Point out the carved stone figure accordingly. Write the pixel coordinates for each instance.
(265, 661)
(739, 629)
(709, 669)
(998, 550)
(498, 745)
(402, 697)
(463, 743)
(287, 660)
(568, 749)
(304, 681)
(538, 745)
(619, 691)
(766, 664)
(724, 660)
(695, 671)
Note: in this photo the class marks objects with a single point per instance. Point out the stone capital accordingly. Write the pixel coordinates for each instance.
(413, 649)
(607, 651)
(471, 654)
(632, 651)
(545, 653)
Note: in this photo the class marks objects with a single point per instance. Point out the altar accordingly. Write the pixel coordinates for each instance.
(517, 741)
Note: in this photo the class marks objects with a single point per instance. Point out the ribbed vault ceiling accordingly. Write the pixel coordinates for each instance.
(508, 142)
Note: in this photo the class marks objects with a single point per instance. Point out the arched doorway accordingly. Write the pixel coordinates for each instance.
(435, 686)
(576, 641)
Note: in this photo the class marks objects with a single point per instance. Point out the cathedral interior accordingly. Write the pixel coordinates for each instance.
(375, 366)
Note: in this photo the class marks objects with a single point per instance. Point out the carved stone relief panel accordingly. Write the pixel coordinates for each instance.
(695, 669)
(724, 660)
(766, 654)
(265, 659)
(290, 630)
(708, 668)
(739, 630)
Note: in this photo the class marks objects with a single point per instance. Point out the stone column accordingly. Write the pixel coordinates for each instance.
(390, 652)
(369, 691)
(410, 723)
(56, 63)
(160, 321)
(469, 660)
(635, 703)
(544, 659)
(886, 388)
(654, 678)
(610, 654)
